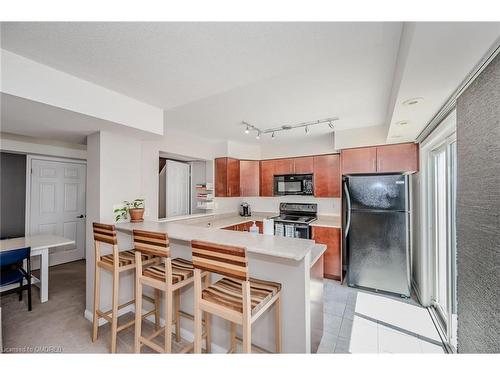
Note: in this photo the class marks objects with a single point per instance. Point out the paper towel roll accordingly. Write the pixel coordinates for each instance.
(268, 227)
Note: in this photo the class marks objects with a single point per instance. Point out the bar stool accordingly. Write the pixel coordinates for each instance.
(169, 276)
(237, 298)
(116, 263)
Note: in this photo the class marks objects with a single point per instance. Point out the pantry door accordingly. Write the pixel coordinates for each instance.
(57, 205)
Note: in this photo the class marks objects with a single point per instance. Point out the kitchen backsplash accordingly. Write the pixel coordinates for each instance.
(326, 206)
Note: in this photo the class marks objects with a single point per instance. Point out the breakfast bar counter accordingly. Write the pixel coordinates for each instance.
(295, 263)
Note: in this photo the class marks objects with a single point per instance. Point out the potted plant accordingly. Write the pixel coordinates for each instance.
(135, 210)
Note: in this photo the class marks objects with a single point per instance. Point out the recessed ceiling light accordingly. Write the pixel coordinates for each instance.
(413, 101)
(402, 123)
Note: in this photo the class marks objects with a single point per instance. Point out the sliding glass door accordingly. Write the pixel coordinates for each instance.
(443, 209)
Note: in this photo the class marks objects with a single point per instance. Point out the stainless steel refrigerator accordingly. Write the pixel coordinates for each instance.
(377, 232)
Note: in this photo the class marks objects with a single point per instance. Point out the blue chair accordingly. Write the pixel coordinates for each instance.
(12, 271)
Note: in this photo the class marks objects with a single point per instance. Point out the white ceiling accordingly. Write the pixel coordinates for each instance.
(435, 60)
(33, 119)
(211, 76)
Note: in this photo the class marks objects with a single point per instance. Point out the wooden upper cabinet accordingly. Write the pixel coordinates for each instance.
(220, 177)
(304, 165)
(327, 176)
(249, 178)
(227, 177)
(397, 158)
(359, 160)
(267, 178)
(283, 166)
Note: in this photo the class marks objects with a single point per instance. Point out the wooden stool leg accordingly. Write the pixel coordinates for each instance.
(168, 320)
(138, 316)
(177, 315)
(198, 326)
(157, 309)
(247, 322)
(114, 316)
(233, 337)
(208, 328)
(97, 297)
(277, 324)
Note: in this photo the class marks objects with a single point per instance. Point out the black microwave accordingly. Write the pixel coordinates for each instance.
(293, 184)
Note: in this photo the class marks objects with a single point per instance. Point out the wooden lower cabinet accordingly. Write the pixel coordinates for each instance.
(332, 257)
(245, 227)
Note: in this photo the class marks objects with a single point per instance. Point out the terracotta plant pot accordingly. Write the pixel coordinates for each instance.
(136, 214)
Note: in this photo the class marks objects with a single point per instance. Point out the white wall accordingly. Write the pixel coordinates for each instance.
(176, 143)
(359, 137)
(308, 145)
(30, 145)
(114, 174)
(326, 206)
(240, 150)
(28, 79)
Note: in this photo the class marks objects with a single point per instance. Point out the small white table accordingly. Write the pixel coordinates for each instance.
(40, 245)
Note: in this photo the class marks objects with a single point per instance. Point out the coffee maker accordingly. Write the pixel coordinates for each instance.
(245, 209)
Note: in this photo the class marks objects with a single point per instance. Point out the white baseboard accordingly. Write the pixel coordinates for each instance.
(185, 334)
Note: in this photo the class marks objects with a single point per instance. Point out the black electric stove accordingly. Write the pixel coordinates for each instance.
(294, 219)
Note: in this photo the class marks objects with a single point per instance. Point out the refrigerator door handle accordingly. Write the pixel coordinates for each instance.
(348, 201)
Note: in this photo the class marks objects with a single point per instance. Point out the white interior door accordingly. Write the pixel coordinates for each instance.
(57, 205)
(178, 192)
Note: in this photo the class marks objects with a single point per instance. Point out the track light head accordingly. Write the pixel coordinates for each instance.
(257, 136)
(273, 135)
(247, 130)
(330, 125)
(307, 130)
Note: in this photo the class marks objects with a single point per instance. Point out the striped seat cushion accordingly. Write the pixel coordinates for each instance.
(182, 269)
(228, 293)
(125, 258)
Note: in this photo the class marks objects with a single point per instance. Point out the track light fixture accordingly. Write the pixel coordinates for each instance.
(272, 131)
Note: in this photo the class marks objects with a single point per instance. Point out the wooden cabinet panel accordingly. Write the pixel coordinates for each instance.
(227, 177)
(303, 165)
(249, 178)
(359, 160)
(332, 256)
(233, 177)
(283, 166)
(221, 177)
(397, 158)
(327, 180)
(267, 178)
(245, 227)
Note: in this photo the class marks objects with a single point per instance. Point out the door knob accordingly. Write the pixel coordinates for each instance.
(80, 217)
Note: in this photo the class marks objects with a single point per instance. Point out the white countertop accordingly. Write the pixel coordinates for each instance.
(331, 221)
(190, 229)
(36, 242)
(225, 220)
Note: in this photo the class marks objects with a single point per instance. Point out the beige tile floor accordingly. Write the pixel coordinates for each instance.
(358, 321)
(354, 321)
